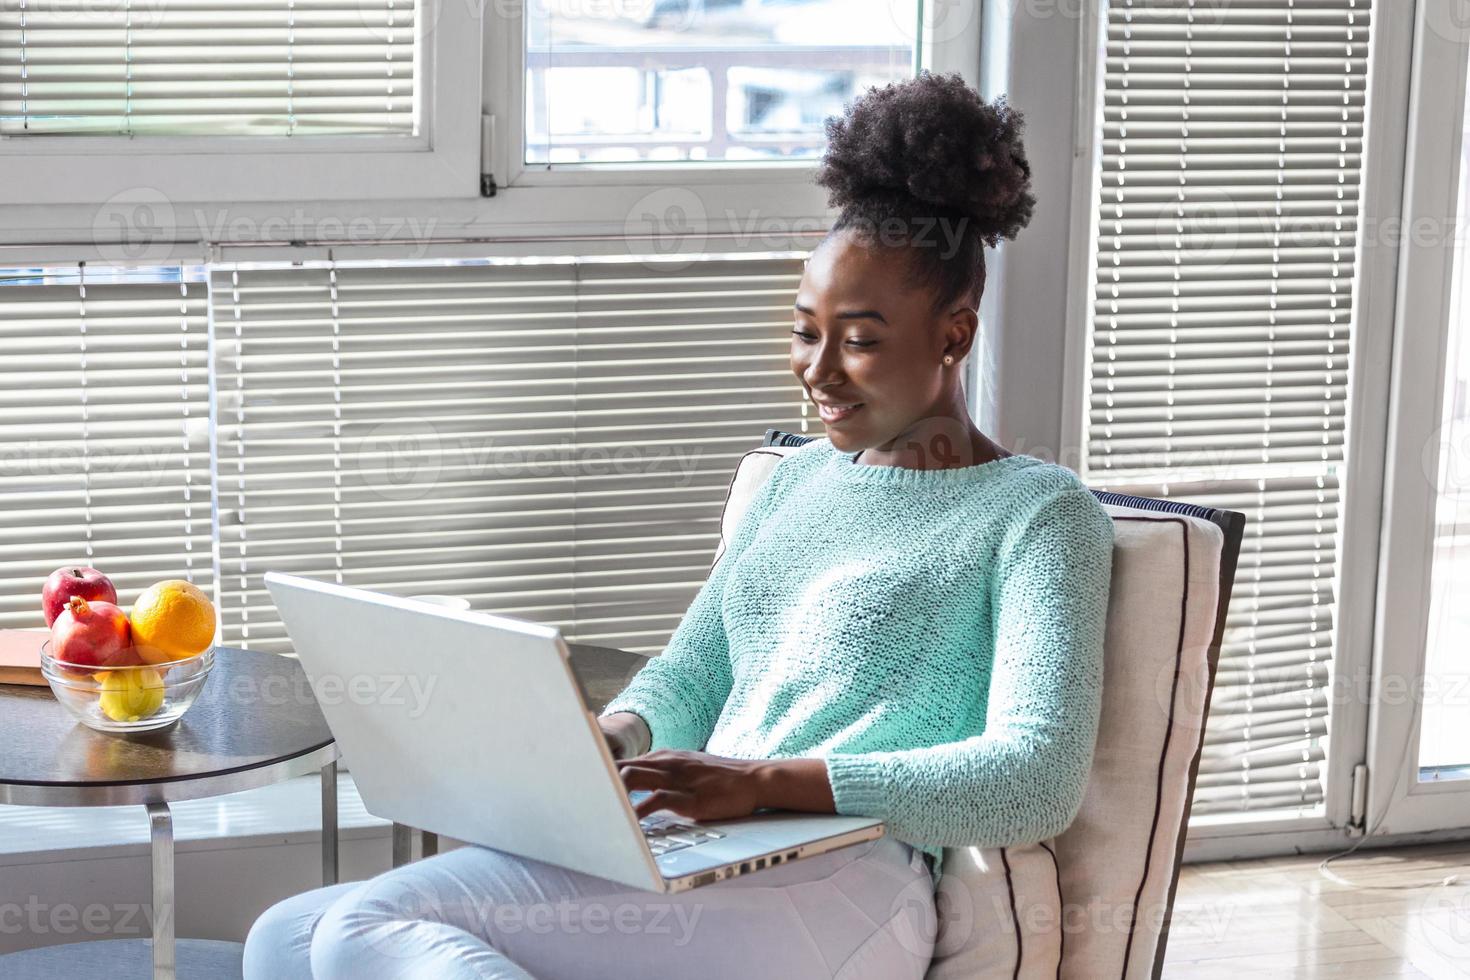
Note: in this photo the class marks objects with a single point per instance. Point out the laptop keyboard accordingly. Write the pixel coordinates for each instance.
(665, 834)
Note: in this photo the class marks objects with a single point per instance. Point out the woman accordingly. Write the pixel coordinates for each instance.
(906, 624)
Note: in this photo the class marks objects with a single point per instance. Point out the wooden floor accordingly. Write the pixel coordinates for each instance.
(1281, 917)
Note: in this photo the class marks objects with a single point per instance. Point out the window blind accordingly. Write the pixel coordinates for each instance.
(104, 429)
(1227, 223)
(550, 440)
(207, 67)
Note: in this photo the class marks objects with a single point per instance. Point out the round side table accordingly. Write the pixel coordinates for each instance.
(256, 722)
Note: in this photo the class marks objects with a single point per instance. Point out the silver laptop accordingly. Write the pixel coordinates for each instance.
(474, 726)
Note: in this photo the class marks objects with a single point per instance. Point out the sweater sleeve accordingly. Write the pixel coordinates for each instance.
(1023, 779)
(681, 692)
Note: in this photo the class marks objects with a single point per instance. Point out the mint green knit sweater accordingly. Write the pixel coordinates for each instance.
(935, 635)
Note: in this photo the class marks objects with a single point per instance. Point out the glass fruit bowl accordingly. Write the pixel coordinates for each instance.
(127, 699)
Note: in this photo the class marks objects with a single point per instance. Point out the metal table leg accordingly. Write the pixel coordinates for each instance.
(330, 874)
(402, 844)
(410, 844)
(161, 833)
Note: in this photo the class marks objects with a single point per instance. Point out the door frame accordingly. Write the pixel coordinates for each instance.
(1397, 802)
(1377, 290)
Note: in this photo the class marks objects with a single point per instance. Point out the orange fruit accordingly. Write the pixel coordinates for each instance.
(172, 620)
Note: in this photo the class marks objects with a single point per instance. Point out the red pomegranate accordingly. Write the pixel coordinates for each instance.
(93, 634)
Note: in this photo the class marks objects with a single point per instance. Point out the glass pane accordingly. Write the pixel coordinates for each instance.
(621, 81)
(1444, 735)
(208, 67)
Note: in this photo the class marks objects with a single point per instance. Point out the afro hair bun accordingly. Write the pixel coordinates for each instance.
(931, 142)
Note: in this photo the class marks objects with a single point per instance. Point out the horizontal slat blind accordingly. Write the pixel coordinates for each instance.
(104, 424)
(551, 441)
(1231, 157)
(207, 67)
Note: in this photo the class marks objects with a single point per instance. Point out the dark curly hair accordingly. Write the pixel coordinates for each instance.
(927, 166)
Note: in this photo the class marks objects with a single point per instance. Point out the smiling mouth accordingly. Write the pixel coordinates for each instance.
(834, 413)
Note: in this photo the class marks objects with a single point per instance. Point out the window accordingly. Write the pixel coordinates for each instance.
(1225, 238)
(196, 101)
(697, 124)
(552, 439)
(506, 120)
(192, 68)
(703, 79)
(492, 413)
(104, 410)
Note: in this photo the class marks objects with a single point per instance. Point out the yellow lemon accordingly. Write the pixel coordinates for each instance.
(172, 620)
(131, 694)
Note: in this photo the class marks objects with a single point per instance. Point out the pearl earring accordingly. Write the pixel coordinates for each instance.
(948, 358)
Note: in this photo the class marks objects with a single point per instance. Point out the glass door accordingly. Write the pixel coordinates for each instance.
(1419, 709)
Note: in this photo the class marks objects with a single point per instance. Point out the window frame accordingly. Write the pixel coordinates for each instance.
(778, 196)
(441, 160)
(425, 203)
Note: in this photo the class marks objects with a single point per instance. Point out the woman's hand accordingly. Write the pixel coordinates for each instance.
(701, 786)
(627, 734)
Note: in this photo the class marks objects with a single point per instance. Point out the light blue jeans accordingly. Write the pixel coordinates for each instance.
(864, 912)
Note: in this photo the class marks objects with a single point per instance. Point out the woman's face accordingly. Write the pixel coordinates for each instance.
(863, 338)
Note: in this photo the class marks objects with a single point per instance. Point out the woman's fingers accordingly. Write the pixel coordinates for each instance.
(656, 760)
(645, 777)
(665, 790)
(665, 799)
(662, 756)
